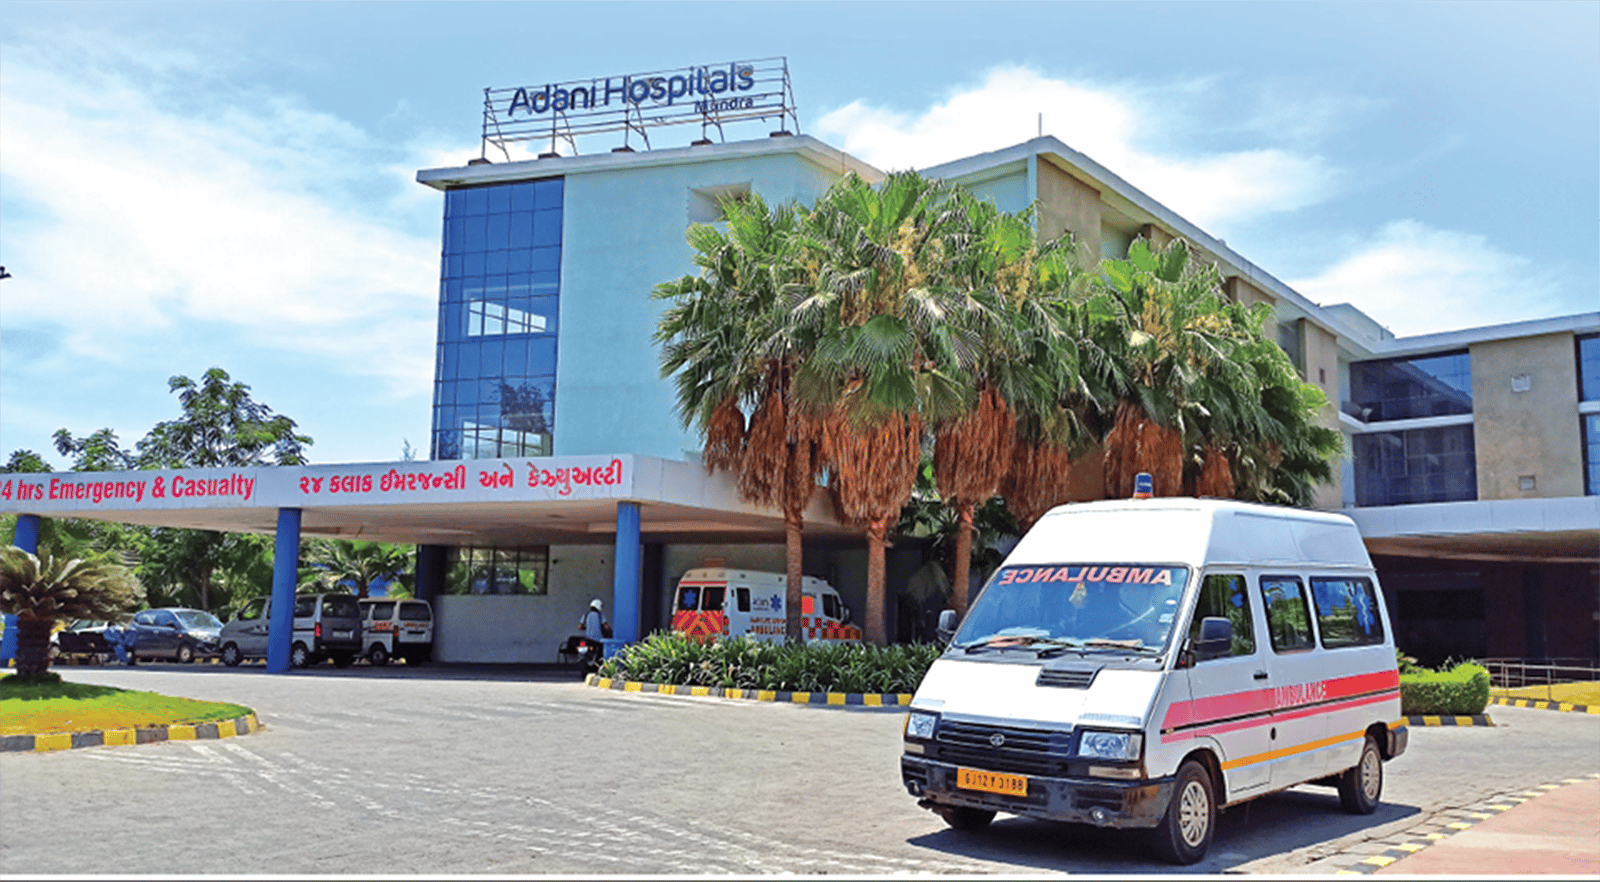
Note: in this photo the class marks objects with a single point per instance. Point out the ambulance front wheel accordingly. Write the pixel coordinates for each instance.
(1185, 832)
(960, 817)
(1361, 785)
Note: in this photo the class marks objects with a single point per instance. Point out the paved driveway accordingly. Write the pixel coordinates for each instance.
(460, 771)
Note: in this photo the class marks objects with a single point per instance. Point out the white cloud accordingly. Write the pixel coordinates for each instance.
(140, 201)
(1415, 279)
(1120, 127)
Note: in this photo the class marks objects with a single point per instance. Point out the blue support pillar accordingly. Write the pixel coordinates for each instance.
(285, 575)
(27, 533)
(625, 578)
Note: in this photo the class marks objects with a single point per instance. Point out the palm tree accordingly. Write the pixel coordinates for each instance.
(335, 565)
(730, 341)
(48, 587)
(893, 347)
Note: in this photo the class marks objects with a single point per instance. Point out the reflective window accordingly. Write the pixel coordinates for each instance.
(1347, 611)
(499, 570)
(499, 298)
(1589, 368)
(1591, 447)
(1415, 466)
(1288, 620)
(1222, 595)
(1407, 388)
(1118, 607)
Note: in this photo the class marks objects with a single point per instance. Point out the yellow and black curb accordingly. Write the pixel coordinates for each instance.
(245, 725)
(831, 699)
(1441, 720)
(1453, 822)
(1563, 706)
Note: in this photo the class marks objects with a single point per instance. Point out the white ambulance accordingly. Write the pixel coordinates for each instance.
(1146, 663)
(396, 628)
(716, 602)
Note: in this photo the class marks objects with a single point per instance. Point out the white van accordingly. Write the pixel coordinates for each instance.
(717, 602)
(396, 627)
(1146, 663)
(326, 626)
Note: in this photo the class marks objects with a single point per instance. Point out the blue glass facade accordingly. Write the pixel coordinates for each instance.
(499, 303)
(1408, 388)
(1589, 368)
(1414, 466)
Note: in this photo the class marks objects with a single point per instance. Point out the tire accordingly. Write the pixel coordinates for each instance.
(185, 654)
(299, 656)
(1184, 834)
(231, 655)
(960, 817)
(342, 659)
(1361, 785)
(377, 655)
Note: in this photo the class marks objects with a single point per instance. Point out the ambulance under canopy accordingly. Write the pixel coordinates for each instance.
(716, 602)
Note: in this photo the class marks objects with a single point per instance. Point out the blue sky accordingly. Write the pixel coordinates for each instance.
(188, 185)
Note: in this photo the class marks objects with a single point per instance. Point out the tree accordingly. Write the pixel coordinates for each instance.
(25, 461)
(338, 565)
(893, 346)
(221, 426)
(730, 341)
(48, 587)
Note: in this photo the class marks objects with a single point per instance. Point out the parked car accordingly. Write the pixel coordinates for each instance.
(75, 640)
(401, 628)
(172, 632)
(326, 626)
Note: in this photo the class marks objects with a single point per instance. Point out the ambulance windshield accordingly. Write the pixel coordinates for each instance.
(1055, 608)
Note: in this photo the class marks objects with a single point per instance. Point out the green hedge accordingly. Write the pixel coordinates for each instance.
(1461, 691)
(749, 664)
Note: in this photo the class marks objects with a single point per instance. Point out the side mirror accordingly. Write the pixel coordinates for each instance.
(845, 616)
(947, 625)
(1216, 638)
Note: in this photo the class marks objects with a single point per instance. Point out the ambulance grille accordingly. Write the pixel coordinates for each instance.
(1021, 751)
(1066, 678)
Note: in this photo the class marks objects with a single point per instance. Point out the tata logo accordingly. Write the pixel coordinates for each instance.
(997, 740)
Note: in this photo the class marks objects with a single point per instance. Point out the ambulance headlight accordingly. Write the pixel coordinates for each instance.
(1125, 746)
(920, 725)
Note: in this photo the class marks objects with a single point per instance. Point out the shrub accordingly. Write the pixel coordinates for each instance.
(1461, 691)
(743, 663)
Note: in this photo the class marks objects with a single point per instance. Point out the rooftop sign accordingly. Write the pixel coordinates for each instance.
(713, 95)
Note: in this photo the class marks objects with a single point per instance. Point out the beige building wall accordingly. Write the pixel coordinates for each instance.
(1068, 205)
(1321, 351)
(1525, 418)
(1239, 290)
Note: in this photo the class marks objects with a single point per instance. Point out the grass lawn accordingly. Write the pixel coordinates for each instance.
(41, 709)
(1570, 693)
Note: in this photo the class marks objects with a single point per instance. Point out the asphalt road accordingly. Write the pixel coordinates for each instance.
(489, 771)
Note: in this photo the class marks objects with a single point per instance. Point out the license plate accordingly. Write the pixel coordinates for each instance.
(992, 782)
(342, 633)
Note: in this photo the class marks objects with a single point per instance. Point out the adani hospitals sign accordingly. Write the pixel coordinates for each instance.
(713, 95)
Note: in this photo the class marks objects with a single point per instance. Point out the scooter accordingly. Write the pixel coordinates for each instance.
(589, 655)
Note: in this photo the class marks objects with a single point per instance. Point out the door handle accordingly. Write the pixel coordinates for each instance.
(1261, 675)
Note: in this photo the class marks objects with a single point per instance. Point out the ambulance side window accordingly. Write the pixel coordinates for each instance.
(1288, 618)
(830, 606)
(1347, 611)
(1222, 595)
(741, 598)
(713, 599)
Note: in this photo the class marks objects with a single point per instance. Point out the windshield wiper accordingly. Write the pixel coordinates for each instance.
(1002, 641)
(1126, 645)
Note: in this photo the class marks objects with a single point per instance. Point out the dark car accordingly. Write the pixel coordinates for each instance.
(175, 633)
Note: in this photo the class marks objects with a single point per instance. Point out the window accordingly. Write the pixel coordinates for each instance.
(1589, 368)
(1347, 611)
(741, 597)
(304, 606)
(499, 570)
(341, 606)
(1591, 448)
(485, 318)
(1415, 466)
(382, 611)
(252, 610)
(713, 598)
(1408, 388)
(415, 611)
(1222, 595)
(1287, 618)
(689, 599)
(831, 607)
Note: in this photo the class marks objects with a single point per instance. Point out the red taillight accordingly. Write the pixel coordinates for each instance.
(318, 631)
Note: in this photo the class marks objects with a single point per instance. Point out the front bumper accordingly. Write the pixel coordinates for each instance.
(1099, 801)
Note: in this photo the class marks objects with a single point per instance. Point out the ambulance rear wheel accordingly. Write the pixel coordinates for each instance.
(1185, 832)
(960, 817)
(1361, 785)
(378, 655)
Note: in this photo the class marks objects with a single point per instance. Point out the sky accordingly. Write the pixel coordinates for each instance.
(190, 185)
